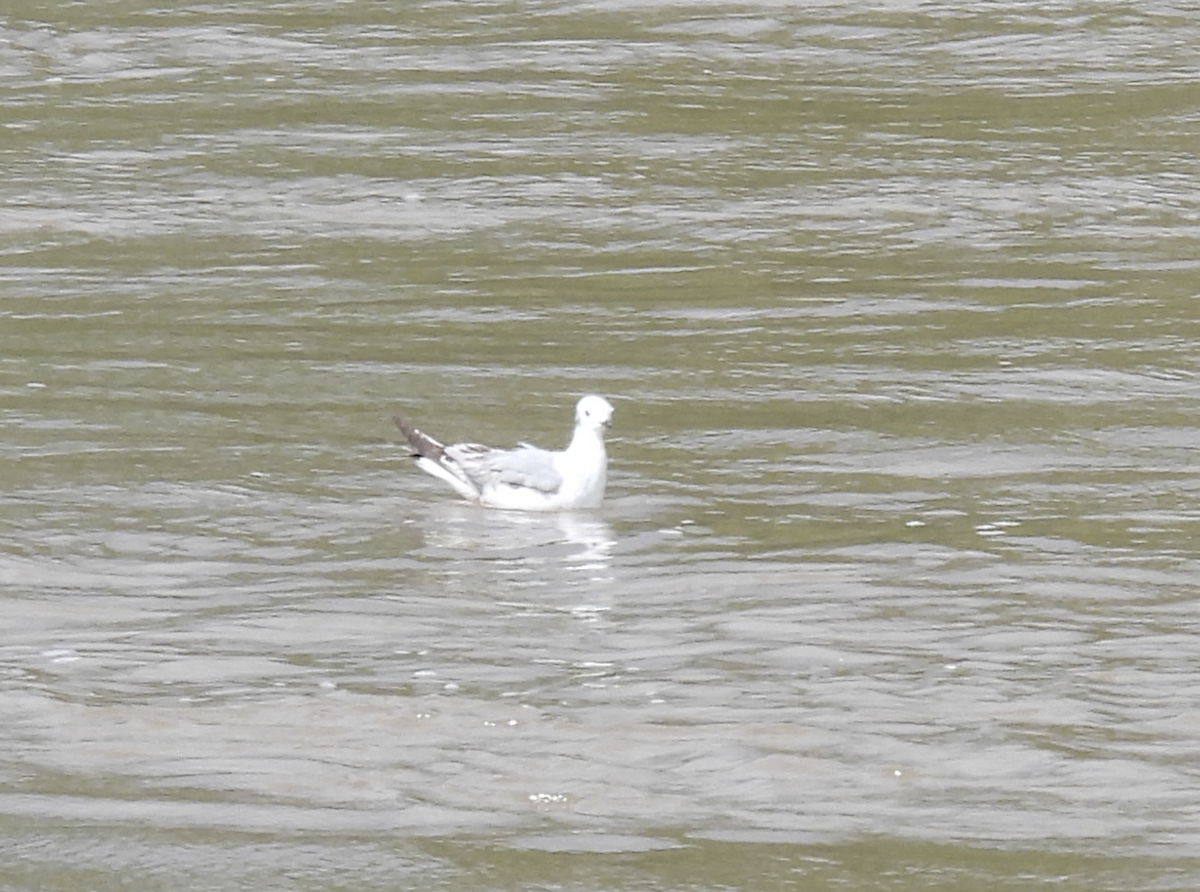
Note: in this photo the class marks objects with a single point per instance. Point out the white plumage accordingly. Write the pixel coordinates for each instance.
(525, 478)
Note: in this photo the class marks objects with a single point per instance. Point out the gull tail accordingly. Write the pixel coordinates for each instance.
(432, 459)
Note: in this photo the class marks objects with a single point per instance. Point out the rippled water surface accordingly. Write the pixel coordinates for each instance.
(896, 583)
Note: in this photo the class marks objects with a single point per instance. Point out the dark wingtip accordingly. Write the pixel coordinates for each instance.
(424, 445)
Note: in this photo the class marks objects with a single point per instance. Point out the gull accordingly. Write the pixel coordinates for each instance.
(526, 478)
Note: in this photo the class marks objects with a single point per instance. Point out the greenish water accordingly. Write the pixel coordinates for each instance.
(895, 586)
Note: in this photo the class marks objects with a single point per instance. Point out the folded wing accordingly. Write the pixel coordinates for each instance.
(524, 467)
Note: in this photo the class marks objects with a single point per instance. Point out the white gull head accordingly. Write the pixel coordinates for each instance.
(593, 412)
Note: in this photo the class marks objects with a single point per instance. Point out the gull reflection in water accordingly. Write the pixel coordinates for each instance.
(578, 542)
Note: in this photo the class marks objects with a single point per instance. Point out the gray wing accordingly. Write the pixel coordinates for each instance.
(526, 466)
